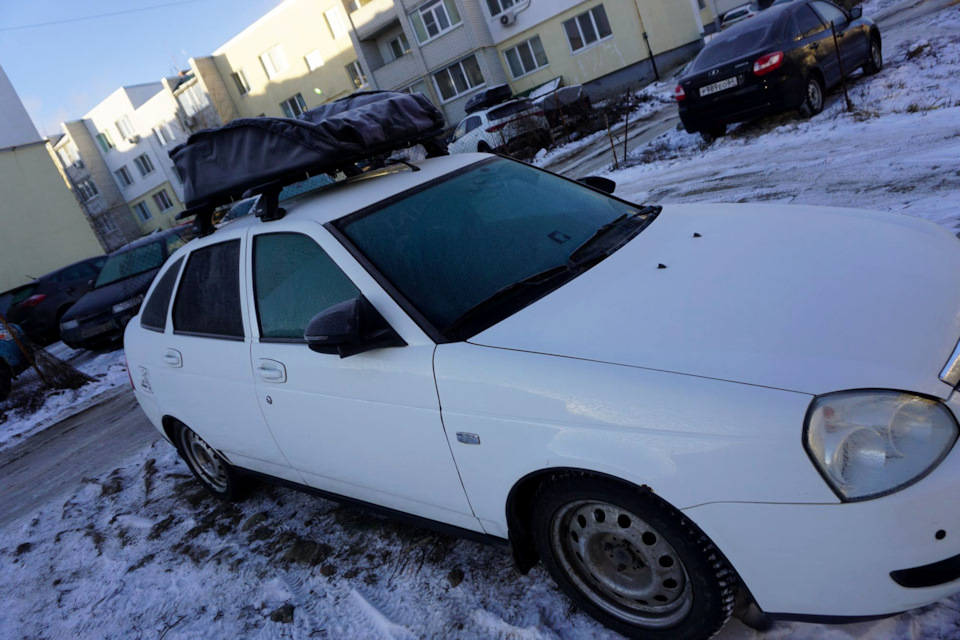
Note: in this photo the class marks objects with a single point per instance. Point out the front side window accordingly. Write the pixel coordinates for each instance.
(458, 78)
(587, 28)
(458, 252)
(294, 280)
(129, 263)
(355, 71)
(208, 299)
(294, 106)
(274, 62)
(829, 13)
(466, 127)
(434, 18)
(123, 176)
(144, 164)
(162, 200)
(154, 315)
(142, 211)
(105, 141)
(526, 57)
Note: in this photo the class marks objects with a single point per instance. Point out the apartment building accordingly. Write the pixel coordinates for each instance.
(603, 45)
(43, 228)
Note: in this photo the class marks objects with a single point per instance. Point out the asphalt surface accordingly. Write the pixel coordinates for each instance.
(53, 462)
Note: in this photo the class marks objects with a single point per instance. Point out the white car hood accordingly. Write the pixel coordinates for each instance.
(806, 299)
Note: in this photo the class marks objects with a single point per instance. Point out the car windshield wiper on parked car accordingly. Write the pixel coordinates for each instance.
(601, 236)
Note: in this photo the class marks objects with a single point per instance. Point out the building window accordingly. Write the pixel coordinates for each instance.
(240, 79)
(398, 47)
(458, 78)
(68, 156)
(526, 57)
(164, 133)
(106, 224)
(125, 128)
(702, 4)
(123, 176)
(144, 164)
(355, 71)
(274, 62)
(293, 106)
(193, 100)
(142, 211)
(162, 200)
(587, 28)
(106, 143)
(353, 5)
(335, 22)
(314, 60)
(434, 19)
(87, 190)
(499, 6)
(417, 87)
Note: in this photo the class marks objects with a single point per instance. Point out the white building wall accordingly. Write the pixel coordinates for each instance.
(16, 127)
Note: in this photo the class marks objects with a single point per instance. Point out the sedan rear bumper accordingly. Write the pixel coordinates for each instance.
(99, 333)
(773, 95)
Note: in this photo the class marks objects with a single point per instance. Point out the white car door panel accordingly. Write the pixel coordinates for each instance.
(367, 426)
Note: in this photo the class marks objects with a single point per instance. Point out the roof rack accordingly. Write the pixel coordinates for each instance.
(260, 156)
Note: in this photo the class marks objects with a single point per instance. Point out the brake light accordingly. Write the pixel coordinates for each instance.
(495, 127)
(768, 63)
(679, 93)
(33, 301)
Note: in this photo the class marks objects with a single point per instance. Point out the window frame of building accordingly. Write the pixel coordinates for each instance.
(432, 8)
(533, 53)
(337, 26)
(193, 100)
(162, 200)
(124, 177)
(272, 59)
(87, 190)
(144, 164)
(356, 74)
(403, 46)
(69, 156)
(142, 211)
(125, 128)
(296, 100)
(313, 60)
(501, 5)
(105, 141)
(410, 88)
(594, 24)
(163, 133)
(470, 88)
(240, 82)
(106, 224)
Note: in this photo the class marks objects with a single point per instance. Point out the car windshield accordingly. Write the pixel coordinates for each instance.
(509, 110)
(457, 243)
(726, 47)
(130, 263)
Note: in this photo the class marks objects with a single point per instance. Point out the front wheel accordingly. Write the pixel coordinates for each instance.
(631, 561)
(812, 97)
(874, 62)
(209, 467)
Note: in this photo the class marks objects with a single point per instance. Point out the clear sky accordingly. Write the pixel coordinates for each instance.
(62, 70)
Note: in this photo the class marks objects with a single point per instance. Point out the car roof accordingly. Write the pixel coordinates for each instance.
(339, 199)
(766, 18)
(153, 237)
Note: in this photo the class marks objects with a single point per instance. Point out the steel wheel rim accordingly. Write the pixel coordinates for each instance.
(205, 461)
(621, 564)
(876, 55)
(814, 95)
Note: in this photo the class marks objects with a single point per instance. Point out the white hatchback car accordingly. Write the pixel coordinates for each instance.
(670, 408)
(505, 127)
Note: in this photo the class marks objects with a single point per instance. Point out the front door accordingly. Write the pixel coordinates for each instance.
(368, 426)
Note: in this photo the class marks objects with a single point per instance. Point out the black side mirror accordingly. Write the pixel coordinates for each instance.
(349, 328)
(856, 13)
(601, 184)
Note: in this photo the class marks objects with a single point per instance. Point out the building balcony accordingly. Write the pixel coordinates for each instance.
(374, 18)
(398, 73)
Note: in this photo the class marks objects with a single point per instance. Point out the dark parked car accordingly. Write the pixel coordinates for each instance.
(39, 306)
(98, 319)
(782, 59)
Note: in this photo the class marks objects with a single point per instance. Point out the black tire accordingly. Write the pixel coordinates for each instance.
(6, 381)
(874, 61)
(659, 578)
(207, 465)
(713, 133)
(483, 147)
(813, 96)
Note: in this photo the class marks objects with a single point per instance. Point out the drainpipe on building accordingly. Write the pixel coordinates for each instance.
(646, 39)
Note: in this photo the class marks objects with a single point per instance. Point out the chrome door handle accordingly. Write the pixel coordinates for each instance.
(172, 358)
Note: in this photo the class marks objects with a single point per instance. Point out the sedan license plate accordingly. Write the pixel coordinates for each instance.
(729, 83)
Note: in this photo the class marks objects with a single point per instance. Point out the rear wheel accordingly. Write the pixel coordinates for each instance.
(713, 133)
(6, 381)
(213, 472)
(631, 561)
(874, 61)
(483, 147)
(812, 96)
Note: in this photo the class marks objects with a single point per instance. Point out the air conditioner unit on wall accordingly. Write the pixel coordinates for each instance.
(134, 139)
(508, 18)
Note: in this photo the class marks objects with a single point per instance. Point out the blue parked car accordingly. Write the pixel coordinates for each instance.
(12, 362)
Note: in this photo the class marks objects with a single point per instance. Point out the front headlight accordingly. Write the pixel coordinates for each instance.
(69, 324)
(132, 303)
(870, 443)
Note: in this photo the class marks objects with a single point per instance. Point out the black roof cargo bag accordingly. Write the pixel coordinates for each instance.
(219, 165)
(489, 98)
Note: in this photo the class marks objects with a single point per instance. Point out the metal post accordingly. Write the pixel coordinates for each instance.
(843, 76)
(646, 39)
(613, 148)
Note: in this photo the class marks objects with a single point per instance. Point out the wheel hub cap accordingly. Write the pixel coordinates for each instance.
(205, 460)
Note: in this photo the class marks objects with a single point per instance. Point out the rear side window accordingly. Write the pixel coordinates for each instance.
(807, 21)
(294, 280)
(208, 299)
(154, 316)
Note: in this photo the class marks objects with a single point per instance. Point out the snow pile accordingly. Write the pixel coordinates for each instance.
(18, 421)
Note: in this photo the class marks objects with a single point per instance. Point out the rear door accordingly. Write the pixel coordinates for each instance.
(368, 426)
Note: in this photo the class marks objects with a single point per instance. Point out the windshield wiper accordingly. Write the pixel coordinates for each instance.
(581, 253)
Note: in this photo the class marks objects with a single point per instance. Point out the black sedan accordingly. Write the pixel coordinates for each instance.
(98, 319)
(782, 59)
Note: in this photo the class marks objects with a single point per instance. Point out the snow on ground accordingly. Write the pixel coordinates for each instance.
(19, 420)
